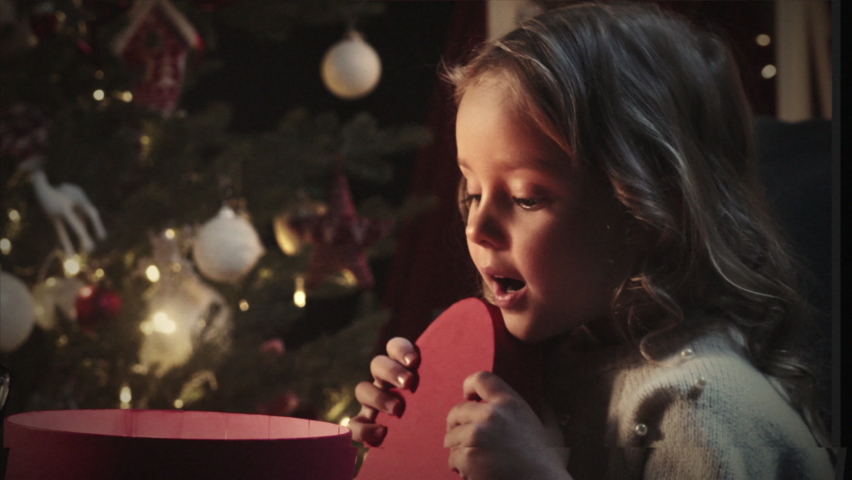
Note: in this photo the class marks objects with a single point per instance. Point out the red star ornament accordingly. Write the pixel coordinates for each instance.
(340, 238)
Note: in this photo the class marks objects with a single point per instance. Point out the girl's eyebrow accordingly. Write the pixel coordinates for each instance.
(536, 163)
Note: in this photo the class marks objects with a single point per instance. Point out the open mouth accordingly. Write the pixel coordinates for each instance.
(509, 285)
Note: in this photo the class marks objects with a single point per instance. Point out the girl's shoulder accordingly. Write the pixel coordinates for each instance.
(700, 406)
(707, 395)
(707, 383)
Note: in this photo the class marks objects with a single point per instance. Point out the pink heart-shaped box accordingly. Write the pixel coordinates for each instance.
(174, 445)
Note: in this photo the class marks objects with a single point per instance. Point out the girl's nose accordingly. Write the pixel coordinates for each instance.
(485, 228)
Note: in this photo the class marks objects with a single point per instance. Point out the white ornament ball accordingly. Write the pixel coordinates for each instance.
(17, 312)
(178, 321)
(227, 247)
(56, 293)
(351, 68)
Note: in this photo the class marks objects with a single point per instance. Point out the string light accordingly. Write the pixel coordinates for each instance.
(345, 422)
(50, 282)
(299, 297)
(99, 273)
(153, 273)
(244, 305)
(14, 215)
(5, 246)
(176, 267)
(763, 40)
(125, 396)
(768, 71)
(169, 233)
(98, 94)
(147, 328)
(178, 403)
(163, 324)
(72, 266)
(127, 96)
(348, 278)
(62, 340)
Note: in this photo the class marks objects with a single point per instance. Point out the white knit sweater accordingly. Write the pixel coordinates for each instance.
(704, 411)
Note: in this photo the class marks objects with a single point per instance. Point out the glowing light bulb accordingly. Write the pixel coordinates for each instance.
(147, 327)
(345, 422)
(244, 305)
(169, 233)
(14, 215)
(50, 281)
(127, 96)
(164, 324)
(99, 273)
(178, 403)
(768, 71)
(86, 291)
(153, 273)
(126, 395)
(98, 94)
(72, 266)
(5, 246)
(299, 297)
(763, 40)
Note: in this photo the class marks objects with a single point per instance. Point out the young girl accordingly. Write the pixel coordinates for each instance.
(613, 210)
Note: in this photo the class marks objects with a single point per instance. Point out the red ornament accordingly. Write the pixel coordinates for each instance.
(45, 23)
(340, 238)
(273, 346)
(283, 405)
(154, 46)
(96, 305)
(24, 131)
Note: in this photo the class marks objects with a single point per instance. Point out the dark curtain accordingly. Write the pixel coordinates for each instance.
(431, 269)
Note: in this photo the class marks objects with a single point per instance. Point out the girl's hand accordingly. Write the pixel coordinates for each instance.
(501, 438)
(388, 371)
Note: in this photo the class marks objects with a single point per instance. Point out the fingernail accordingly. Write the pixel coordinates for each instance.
(401, 380)
(392, 407)
(378, 435)
(408, 359)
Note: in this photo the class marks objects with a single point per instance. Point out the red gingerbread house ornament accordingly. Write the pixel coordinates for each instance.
(154, 45)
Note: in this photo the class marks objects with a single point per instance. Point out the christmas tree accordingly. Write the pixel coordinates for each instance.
(153, 256)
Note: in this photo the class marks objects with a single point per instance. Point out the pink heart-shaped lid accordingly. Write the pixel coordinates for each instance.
(468, 337)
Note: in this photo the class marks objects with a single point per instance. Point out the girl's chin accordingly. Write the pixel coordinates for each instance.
(522, 328)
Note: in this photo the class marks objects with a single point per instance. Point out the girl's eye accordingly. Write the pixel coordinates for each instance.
(470, 198)
(529, 203)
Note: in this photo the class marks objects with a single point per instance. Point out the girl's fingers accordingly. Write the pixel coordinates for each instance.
(390, 373)
(486, 386)
(465, 459)
(469, 412)
(374, 398)
(466, 435)
(404, 352)
(367, 432)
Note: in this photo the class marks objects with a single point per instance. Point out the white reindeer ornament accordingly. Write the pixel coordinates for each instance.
(66, 203)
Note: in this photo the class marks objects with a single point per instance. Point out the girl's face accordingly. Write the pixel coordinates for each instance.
(547, 237)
